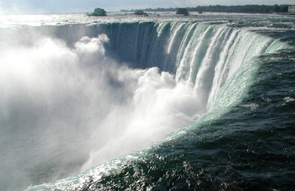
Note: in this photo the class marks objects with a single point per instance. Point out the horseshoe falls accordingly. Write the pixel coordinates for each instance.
(121, 102)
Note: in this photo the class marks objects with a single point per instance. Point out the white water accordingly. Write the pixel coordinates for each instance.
(67, 108)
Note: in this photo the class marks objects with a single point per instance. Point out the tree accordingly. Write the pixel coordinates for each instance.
(98, 12)
(140, 12)
(182, 11)
(277, 8)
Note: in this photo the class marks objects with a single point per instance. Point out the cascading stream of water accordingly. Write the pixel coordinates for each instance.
(203, 56)
(125, 87)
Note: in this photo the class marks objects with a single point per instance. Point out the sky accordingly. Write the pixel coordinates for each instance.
(82, 6)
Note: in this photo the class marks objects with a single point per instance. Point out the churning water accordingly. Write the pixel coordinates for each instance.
(158, 103)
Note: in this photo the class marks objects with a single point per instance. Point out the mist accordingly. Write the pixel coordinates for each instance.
(65, 109)
(72, 99)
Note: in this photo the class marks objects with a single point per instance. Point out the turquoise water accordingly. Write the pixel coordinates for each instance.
(204, 103)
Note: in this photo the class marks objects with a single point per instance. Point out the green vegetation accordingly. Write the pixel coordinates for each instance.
(98, 12)
(231, 9)
(182, 11)
(242, 8)
(140, 12)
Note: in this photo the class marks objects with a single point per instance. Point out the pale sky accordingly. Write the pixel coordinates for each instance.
(81, 6)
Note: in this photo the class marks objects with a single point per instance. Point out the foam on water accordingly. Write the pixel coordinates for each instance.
(73, 99)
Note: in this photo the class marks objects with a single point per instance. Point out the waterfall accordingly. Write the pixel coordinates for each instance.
(75, 96)
(202, 55)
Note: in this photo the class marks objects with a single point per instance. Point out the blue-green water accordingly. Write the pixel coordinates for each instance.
(203, 103)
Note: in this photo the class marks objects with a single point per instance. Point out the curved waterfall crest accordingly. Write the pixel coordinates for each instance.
(201, 54)
(80, 95)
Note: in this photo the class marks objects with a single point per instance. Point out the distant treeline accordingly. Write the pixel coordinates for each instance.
(242, 9)
(233, 9)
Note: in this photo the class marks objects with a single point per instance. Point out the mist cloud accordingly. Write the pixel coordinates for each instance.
(65, 109)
